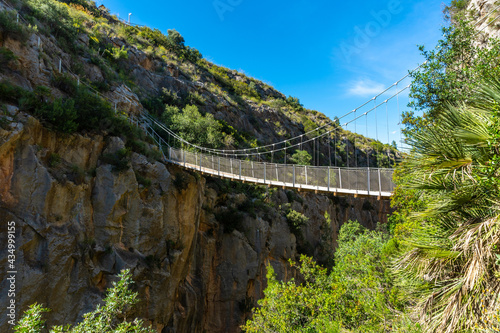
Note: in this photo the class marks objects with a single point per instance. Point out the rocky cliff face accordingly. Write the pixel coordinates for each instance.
(477, 10)
(79, 222)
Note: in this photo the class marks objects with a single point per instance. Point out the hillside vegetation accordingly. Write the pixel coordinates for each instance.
(139, 68)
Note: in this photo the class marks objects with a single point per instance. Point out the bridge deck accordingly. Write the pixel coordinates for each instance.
(338, 180)
(335, 190)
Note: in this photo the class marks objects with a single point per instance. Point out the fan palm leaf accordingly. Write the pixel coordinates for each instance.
(452, 256)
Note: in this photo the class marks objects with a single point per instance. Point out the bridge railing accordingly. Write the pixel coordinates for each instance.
(367, 181)
(362, 181)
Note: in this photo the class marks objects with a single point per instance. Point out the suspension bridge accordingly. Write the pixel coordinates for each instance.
(258, 165)
(338, 180)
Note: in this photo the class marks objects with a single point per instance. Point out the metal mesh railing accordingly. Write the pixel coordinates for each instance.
(364, 181)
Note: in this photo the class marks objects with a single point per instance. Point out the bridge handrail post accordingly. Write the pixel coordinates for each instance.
(213, 164)
(379, 183)
(218, 170)
(265, 173)
(231, 163)
(201, 159)
(340, 179)
(184, 157)
(368, 174)
(240, 169)
(305, 168)
(328, 179)
(195, 159)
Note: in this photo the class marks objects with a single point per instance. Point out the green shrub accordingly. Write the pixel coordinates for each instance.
(231, 219)
(194, 127)
(117, 53)
(294, 102)
(356, 295)
(65, 83)
(301, 157)
(146, 182)
(277, 103)
(153, 155)
(10, 93)
(194, 98)
(61, 115)
(248, 206)
(243, 89)
(192, 54)
(108, 318)
(57, 19)
(155, 36)
(119, 160)
(295, 221)
(6, 57)
(92, 110)
(9, 28)
(4, 122)
(181, 181)
(101, 86)
(54, 160)
(170, 97)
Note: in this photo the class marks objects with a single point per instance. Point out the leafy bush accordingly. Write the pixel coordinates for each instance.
(181, 181)
(195, 98)
(142, 180)
(10, 93)
(193, 127)
(9, 28)
(101, 86)
(451, 74)
(175, 41)
(105, 319)
(301, 157)
(192, 54)
(4, 121)
(116, 53)
(295, 221)
(92, 110)
(155, 36)
(355, 296)
(119, 160)
(6, 57)
(57, 19)
(243, 89)
(65, 83)
(231, 219)
(77, 174)
(294, 102)
(54, 159)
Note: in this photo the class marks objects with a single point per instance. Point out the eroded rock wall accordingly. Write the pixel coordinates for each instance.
(79, 222)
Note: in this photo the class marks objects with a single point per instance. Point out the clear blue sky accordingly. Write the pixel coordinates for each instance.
(332, 55)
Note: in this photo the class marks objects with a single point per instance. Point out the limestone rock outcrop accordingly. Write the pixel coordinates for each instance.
(478, 10)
